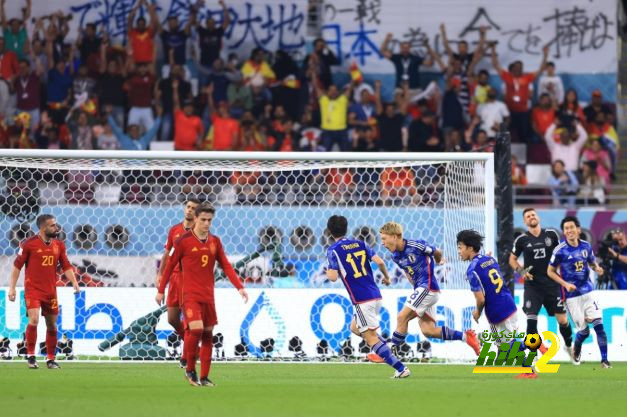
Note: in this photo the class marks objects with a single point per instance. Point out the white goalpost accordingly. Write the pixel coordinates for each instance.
(116, 207)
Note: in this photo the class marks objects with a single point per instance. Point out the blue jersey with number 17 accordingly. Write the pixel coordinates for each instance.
(484, 275)
(351, 258)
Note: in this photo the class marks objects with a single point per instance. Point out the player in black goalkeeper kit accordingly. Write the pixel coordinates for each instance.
(536, 246)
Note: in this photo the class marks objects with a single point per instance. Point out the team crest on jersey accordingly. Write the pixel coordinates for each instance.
(411, 258)
(195, 249)
(548, 241)
(190, 313)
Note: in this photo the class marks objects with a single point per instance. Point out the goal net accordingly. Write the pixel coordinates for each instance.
(115, 209)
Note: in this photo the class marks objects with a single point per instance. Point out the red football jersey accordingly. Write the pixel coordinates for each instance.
(175, 232)
(197, 259)
(41, 261)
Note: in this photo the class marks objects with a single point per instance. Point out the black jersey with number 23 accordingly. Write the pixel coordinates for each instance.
(537, 253)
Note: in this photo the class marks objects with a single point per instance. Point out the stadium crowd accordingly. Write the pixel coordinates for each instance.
(173, 82)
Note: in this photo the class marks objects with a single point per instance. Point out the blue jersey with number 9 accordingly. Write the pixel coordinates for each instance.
(484, 275)
(351, 258)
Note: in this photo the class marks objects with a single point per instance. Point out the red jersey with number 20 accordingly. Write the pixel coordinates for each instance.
(41, 260)
(197, 259)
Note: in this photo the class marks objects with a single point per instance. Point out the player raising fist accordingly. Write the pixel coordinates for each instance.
(196, 253)
(41, 254)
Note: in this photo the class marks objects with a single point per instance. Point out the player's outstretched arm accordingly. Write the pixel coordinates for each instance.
(384, 270)
(552, 273)
(480, 299)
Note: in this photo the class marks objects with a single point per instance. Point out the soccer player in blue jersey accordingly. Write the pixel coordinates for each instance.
(349, 259)
(575, 258)
(417, 258)
(491, 293)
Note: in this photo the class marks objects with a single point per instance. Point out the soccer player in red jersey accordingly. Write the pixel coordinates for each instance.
(174, 290)
(196, 253)
(41, 254)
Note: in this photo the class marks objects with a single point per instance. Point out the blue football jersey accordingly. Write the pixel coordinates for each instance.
(351, 258)
(573, 266)
(484, 275)
(417, 260)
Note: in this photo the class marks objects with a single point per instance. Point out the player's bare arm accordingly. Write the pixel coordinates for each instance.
(72, 277)
(480, 299)
(597, 268)
(332, 274)
(439, 257)
(15, 274)
(384, 270)
(552, 273)
(518, 268)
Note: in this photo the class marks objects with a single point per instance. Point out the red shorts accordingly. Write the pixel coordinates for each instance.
(47, 302)
(206, 312)
(174, 291)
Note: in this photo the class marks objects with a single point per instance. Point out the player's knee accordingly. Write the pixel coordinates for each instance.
(33, 320)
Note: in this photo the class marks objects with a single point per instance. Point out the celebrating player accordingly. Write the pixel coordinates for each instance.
(575, 258)
(537, 245)
(350, 260)
(174, 289)
(486, 283)
(417, 258)
(41, 254)
(196, 253)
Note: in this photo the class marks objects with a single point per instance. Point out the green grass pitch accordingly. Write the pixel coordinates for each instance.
(267, 389)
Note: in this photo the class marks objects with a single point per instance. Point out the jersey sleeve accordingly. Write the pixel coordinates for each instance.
(473, 279)
(518, 245)
(556, 258)
(174, 257)
(227, 267)
(168, 242)
(63, 259)
(22, 256)
(332, 260)
(423, 247)
(591, 258)
(369, 251)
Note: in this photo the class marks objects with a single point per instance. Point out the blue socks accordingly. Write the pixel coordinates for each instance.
(581, 337)
(451, 334)
(601, 338)
(386, 354)
(398, 338)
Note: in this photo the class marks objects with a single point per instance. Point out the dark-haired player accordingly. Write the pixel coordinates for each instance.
(536, 246)
(418, 258)
(41, 254)
(196, 253)
(349, 259)
(575, 258)
(491, 293)
(173, 301)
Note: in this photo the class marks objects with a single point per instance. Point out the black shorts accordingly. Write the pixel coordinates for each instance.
(536, 297)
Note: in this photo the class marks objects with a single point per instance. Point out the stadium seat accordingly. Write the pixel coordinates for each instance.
(538, 174)
(161, 146)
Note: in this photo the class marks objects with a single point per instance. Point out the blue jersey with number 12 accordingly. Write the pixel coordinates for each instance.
(484, 275)
(351, 258)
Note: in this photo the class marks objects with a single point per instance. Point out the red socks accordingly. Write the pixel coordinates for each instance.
(182, 334)
(190, 349)
(31, 339)
(205, 354)
(51, 344)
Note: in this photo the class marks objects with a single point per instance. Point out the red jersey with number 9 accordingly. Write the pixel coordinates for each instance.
(41, 260)
(196, 259)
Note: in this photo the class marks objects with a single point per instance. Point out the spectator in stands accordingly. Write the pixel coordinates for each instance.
(619, 253)
(83, 86)
(256, 71)
(595, 152)
(598, 106)
(571, 106)
(492, 114)
(552, 85)
(80, 130)
(286, 90)
(188, 128)
(542, 116)
(390, 122)
(406, 64)
(225, 131)
(27, 87)
(240, 98)
(57, 30)
(164, 96)
(14, 30)
(565, 139)
(423, 134)
(454, 142)
(210, 42)
(606, 133)
(60, 80)
(88, 45)
(398, 186)
(592, 190)
(362, 115)
(133, 141)
(38, 59)
(106, 140)
(518, 173)
(142, 36)
(110, 85)
(454, 114)
(175, 39)
(9, 68)
(517, 93)
(333, 114)
(564, 185)
(320, 62)
(476, 138)
(481, 88)
(140, 92)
